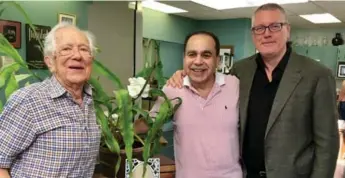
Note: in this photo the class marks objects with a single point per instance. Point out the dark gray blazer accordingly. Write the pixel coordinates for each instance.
(301, 138)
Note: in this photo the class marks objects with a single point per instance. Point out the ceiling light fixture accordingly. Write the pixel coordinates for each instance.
(321, 18)
(151, 4)
(222, 4)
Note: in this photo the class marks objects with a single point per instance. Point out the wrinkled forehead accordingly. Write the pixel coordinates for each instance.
(71, 36)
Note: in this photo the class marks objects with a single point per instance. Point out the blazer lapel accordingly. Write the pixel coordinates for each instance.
(246, 80)
(288, 83)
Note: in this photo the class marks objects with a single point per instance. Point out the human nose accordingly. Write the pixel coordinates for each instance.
(198, 60)
(76, 54)
(267, 32)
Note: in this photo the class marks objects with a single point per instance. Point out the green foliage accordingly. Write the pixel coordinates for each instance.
(9, 82)
(115, 132)
(152, 63)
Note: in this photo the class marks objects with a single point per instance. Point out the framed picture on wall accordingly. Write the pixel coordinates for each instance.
(12, 32)
(226, 59)
(69, 18)
(341, 69)
(34, 52)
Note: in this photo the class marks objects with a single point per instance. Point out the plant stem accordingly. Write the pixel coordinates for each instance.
(140, 140)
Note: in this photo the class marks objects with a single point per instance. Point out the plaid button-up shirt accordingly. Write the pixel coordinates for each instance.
(44, 133)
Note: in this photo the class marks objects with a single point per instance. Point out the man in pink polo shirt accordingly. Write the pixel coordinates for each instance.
(206, 139)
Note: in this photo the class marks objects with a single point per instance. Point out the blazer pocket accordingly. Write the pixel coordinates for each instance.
(305, 161)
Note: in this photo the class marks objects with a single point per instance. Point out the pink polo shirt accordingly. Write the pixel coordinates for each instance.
(206, 132)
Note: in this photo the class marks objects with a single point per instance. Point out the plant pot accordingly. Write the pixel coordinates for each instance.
(108, 161)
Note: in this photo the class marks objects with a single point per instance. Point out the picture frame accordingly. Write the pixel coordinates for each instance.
(226, 54)
(69, 18)
(341, 69)
(12, 31)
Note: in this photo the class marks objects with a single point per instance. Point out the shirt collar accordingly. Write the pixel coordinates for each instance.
(220, 80)
(57, 90)
(281, 65)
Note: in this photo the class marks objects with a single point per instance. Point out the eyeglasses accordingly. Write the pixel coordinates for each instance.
(84, 51)
(274, 27)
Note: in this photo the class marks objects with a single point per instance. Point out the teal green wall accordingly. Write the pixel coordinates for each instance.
(171, 56)
(46, 13)
(165, 27)
(171, 31)
(249, 48)
(234, 32)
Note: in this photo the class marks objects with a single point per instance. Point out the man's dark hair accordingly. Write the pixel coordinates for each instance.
(213, 36)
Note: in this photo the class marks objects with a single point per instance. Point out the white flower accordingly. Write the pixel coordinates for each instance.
(114, 116)
(135, 86)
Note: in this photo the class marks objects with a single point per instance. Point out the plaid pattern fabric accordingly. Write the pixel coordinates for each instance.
(44, 133)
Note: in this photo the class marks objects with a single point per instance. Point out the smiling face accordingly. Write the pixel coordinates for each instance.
(272, 42)
(71, 63)
(200, 59)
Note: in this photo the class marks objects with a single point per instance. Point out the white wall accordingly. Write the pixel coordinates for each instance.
(112, 22)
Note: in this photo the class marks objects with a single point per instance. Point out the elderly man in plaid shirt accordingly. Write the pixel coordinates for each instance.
(49, 129)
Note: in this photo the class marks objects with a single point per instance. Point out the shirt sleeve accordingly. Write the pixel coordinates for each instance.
(16, 129)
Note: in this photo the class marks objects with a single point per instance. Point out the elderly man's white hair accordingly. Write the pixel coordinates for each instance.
(50, 44)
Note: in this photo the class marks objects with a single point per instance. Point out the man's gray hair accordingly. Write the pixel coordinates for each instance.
(50, 43)
(270, 7)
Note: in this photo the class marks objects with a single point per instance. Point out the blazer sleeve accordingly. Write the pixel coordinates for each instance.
(325, 127)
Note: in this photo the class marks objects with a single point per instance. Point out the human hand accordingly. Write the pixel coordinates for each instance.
(177, 79)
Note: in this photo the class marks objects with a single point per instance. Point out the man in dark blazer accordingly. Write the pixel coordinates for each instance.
(287, 106)
(288, 123)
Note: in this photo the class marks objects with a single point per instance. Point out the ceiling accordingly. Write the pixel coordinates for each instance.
(200, 12)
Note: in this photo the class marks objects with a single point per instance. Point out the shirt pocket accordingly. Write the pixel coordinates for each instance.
(60, 136)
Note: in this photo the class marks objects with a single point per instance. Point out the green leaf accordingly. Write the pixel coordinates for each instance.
(177, 104)
(156, 143)
(27, 19)
(145, 73)
(1, 106)
(27, 83)
(118, 164)
(2, 11)
(21, 77)
(99, 94)
(162, 117)
(11, 86)
(6, 71)
(145, 114)
(110, 141)
(159, 75)
(124, 103)
(7, 49)
(101, 69)
(157, 92)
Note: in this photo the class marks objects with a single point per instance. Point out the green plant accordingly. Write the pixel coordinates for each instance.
(116, 133)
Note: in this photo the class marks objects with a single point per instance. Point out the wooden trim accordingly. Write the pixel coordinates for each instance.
(228, 47)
